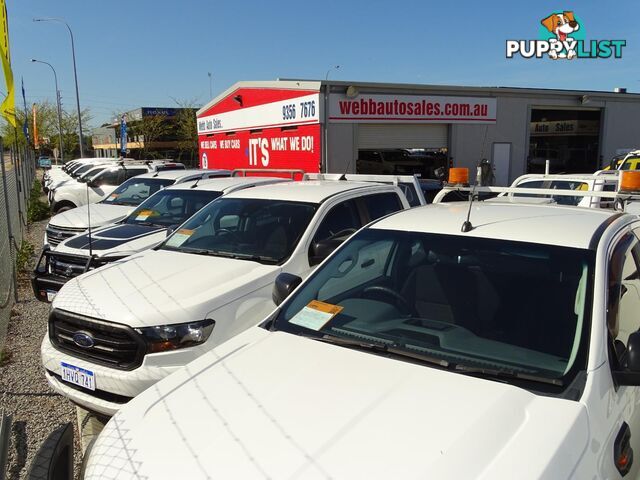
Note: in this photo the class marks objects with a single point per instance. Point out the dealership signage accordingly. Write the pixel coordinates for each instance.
(565, 127)
(411, 109)
(295, 111)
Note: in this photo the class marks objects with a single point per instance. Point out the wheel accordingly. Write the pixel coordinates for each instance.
(398, 299)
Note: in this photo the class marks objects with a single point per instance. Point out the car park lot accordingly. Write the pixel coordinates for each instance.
(366, 310)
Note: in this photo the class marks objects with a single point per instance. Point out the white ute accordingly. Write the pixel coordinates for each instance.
(144, 228)
(115, 331)
(418, 351)
(103, 182)
(120, 203)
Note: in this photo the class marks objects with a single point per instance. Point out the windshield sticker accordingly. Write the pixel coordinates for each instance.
(315, 315)
(143, 215)
(179, 237)
(112, 197)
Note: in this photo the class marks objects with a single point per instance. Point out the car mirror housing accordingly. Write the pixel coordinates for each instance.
(322, 249)
(631, 374)
(283, 286)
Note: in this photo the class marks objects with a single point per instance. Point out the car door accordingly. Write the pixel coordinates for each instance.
(621, 405)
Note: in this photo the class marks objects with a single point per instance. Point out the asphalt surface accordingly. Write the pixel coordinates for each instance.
(24, 393)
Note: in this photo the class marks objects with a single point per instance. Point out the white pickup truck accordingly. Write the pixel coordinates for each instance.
(115, 331)
(419, 349)
(120, 203)
(144, 227)
(108, 176)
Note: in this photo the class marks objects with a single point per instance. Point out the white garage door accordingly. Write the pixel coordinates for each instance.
(402, 136)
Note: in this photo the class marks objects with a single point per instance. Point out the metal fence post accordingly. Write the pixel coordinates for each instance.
(12, 241)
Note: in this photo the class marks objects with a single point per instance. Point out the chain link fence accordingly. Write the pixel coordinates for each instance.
(17, 173)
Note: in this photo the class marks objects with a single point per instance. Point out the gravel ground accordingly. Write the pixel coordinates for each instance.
(24, 391)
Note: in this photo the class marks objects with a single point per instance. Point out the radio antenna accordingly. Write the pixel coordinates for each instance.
(344, 174)
(89, 220)
(467, 226)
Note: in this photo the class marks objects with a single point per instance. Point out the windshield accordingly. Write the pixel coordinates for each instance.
(170, 207)
(464, 302)
(136, 190)
(266, 231)
(630, 163)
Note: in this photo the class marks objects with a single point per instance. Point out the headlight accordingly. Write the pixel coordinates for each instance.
(164, 338)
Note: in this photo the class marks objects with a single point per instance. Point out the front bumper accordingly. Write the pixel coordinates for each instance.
(114, 388)
(46, 284)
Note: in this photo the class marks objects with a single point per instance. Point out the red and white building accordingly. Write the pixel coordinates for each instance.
(334, 126)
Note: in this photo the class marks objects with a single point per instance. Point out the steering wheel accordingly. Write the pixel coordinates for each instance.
(399, 300)
(135, 196)
(228, 232)
(343, 232)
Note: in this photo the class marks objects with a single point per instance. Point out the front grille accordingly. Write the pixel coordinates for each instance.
(115, 345)
(56, 234)
(67, 266)
(102, 394)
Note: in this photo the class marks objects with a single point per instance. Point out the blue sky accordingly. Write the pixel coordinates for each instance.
(144, 52)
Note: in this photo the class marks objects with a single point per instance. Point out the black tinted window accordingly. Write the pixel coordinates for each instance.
(132, 172)
(342, 220)
(382, 204)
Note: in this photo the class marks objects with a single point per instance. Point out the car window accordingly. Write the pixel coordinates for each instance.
(260, 230)
(381, 204)
(623, 296)
(132, 172)
(341, 221)
(135, 190)
(109, 177)
(170, 207)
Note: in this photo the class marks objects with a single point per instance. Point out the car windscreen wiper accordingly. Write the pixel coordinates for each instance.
(384, 347)
(254, 258)
(504, 373)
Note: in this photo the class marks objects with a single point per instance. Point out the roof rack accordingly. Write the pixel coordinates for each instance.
(622, 199)
(242, 172)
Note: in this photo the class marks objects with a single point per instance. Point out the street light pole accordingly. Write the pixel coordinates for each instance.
(75, 74)
(55, 78)
(335, 67)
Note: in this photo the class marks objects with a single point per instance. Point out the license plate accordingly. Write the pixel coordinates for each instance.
(78, 376)
(51, 295)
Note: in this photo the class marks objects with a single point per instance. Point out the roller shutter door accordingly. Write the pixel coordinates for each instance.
(372, 136)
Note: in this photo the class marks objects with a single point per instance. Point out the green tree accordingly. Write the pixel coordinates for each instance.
(148, 130)
(47, 129)
(186, 125)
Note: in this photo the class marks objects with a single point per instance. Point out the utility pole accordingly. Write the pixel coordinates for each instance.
(75, 74)
(55, 78)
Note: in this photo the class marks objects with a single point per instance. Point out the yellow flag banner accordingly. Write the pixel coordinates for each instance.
(8, 107)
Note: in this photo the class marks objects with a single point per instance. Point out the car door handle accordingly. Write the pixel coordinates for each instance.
(622, 451)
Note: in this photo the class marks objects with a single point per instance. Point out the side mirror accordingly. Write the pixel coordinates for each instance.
(92, 183)
(631, 373)
(633, 352)
(322, 249)
(285, 284)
